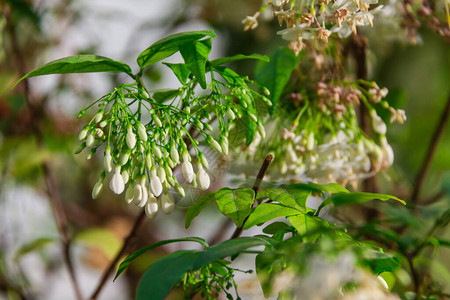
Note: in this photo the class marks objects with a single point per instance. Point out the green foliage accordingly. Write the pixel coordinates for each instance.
(79, 64)
(274, 75)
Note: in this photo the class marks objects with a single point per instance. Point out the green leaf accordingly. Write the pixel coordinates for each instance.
(195, 55)
(197, 207)
(230, 248)
(288, 195)
(354, 198)
(268, 211)
(229, 75)
(161, 276)
(308, 226)
(235, 203)
(79, 64)
(34, 245)
(180, 70)
(331, 188)
(169, 45)
(164, 95)
(275, 74)
(130, 258)
(225, 60)
(382, 262)
(275, 227)
(250, 127)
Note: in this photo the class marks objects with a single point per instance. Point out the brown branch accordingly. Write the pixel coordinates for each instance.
(116, 259)
(262, 172)
(432, 147)
(36, 113)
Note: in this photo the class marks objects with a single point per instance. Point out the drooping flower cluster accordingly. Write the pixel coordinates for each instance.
(322, 140)
(317, 21)
(146, 139)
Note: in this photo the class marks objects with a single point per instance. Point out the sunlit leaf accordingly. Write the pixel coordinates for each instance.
(268, 211)
(225, 60)
(195, 55)
(235, 203)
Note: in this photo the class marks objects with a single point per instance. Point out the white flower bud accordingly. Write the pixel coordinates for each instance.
(83, 134)
(89, 140)
(310, 142)
(188, 171)
(224, 145)
(261, 130)
(253, 117)
(140, 192)
(107, 160)
(168, 170)
(161, 174)
(148, 162)
(382, 283)
(151, 209)
(213, 144)
(174, 154)
(155, 183)
(231, 114)
(171, 180)
(194, 181)
(202, 178)
(129, 194)
(125, 176)
(124, 158)
(117, 185)
(377, 123)
(131, 138)
(156, 120)
(203, 160)
(167, 203)
(157, 152)
(98, 187)
(103, 124)
(98, 117)
(179, 189)
(170, 162)
(142, 132)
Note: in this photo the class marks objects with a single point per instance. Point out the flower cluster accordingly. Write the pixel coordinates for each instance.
(146, 139)
(323, 142)
(317, 21)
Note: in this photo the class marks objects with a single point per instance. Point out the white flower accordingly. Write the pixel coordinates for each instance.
(213, 144)
(157, 152)
(155, 184)
(251, 22)
(151, 209)
(310, 142)
(98, 187)
(140, 192)
(377, 123)
(116, 184)
(231, 114)
(125, 176)
(156, 120)
(167, 203)
(179, 189)
(131, 138)
(202, 178)
(224, 145)
(98, 117)
(107, 160)
(188, 171)
(142, 132)
(83, 134)
(161, 174)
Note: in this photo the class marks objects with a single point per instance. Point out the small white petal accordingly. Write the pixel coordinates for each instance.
(203, 180)
(107, 160)
(89, 140)
(83, 134)
(155, 184)
(142, 132)
(131, 138)
(161, 174)
(157, 151)
(174, 154)
(98, 187)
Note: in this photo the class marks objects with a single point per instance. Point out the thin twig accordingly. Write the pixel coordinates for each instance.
(262, 172)
(418, 183)
(52, 190)
(116, 259)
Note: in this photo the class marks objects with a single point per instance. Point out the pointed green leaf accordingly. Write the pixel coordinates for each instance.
(382, 262)
(268, 211)
(162, 96)
(274, 75)
(195, 55)
(169, 45)
(130, 258)
(308, 225)
(229, 75)
(161, 276)
(79, 64)
(34, 245)
(235, 203)
(275, 227)
(331, 188)
(250, 127)
(197, 207)
(354, 198)
(225, 60)
(288, 195)
(180, 70)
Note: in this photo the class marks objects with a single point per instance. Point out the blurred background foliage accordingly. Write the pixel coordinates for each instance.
(33, 32)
